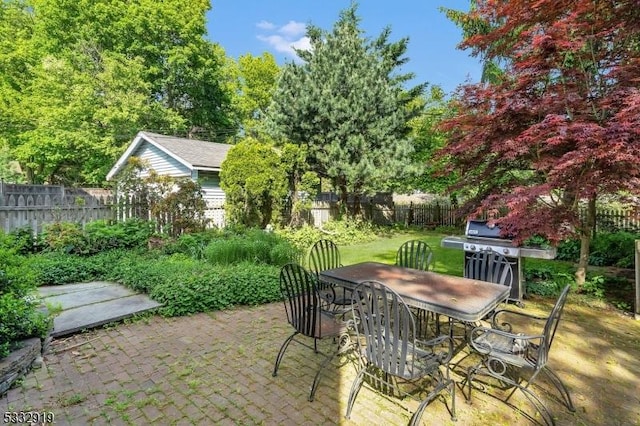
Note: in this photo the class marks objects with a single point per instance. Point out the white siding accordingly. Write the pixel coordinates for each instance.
(161, 162)
(165, 164)
(213, 196)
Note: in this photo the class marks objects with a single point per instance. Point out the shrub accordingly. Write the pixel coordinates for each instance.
(342, 232)
(606, 249)
(568, 250)
(613, 249)
(101, 236)
(20, 317)
(546, 281)
(24, 240)
(63, 237)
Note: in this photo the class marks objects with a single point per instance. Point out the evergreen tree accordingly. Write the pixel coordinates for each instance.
(347, 105)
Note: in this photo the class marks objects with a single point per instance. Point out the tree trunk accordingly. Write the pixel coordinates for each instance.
(344, 196)
(356, 211)
(585, 240)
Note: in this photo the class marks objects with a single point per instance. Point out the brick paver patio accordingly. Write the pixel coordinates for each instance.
(216, 369)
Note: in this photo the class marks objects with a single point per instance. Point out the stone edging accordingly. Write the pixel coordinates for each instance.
(19, 362)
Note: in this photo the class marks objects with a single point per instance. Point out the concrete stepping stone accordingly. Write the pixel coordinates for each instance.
(89, 305)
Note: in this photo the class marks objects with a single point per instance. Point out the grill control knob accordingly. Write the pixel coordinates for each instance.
(505, 251)
(472, 247)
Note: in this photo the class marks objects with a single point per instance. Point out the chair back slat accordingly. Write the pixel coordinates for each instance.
(415, 254)
(301, 299)
(387, 325)
(488, 265)
(324, 254)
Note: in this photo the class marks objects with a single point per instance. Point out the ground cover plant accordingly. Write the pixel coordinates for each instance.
(217, 269)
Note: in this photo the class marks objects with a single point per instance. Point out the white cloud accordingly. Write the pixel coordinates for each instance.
(265, 25)
(293, 29)
(302, 44)
(285, 38)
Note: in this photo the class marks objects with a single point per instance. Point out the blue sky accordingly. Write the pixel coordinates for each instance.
(256, 26)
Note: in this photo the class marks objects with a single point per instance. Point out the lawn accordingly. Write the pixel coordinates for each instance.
(612, 290)
(446, 260)
(383, 249)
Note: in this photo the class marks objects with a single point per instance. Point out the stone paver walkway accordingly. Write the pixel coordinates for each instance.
(216, 368)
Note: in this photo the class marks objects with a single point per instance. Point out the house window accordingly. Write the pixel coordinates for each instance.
(209, 179)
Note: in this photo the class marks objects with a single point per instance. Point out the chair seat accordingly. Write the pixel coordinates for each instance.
(425, 362)
(508, 349)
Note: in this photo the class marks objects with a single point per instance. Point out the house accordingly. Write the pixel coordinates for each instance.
(180, 157)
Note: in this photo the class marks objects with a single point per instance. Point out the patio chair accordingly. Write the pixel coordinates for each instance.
(302, 304)
(491, 266)
(390, 354)
(415, 254)
(517, 359)
(323, 255)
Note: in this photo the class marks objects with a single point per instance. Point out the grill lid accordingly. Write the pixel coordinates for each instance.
(482, 229)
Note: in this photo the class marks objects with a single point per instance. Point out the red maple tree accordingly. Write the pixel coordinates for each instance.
(561, 127)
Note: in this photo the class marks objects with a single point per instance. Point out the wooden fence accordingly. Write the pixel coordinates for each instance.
(36, 205)
(437, 214)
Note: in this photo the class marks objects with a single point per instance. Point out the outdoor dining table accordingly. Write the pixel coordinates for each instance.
(463, 299)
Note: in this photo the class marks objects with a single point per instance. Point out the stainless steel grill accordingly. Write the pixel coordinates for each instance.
(479, 235)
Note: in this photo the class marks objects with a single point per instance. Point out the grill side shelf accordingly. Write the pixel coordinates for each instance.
(538, 253)
(453, 242)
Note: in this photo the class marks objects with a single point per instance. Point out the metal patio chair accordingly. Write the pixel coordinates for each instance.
(303, 305)
(390, 354)
(517, 359)
(415, 254)
(323, 255)
(491, 266)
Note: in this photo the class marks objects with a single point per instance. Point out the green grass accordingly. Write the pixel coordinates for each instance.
(446, 261)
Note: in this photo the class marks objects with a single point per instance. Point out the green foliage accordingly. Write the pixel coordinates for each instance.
(613, 249)
(342, 232)
(19, 315)
(254, 245)
(179, 209)
(20, 320)
(97, 236)
(427, 139)
(568, 250)
(546, 281)
(144, 66)
(254, 80)
(63, 268)
(606, 249)
(66, 237)
(347, 104)
(255, 183)
(192, 245)
(594, 286)
(177, 205)
(218, 287)
(24, 240)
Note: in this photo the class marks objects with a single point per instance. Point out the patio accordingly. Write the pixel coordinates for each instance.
(216, 369)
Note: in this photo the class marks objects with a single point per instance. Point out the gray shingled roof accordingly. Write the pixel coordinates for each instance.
(200, 154)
